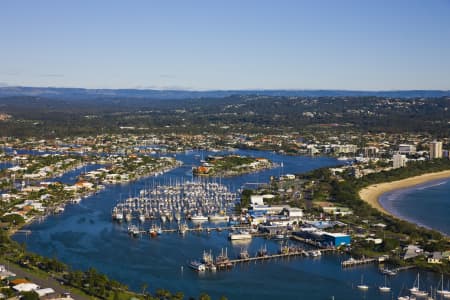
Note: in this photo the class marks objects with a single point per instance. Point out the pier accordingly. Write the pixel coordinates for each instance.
(201, 229)
(355, 262)
(396, 270)
(312, 253)
(23, 231)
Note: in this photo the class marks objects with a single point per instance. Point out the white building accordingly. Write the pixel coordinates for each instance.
(26, 287)
(293, 212)
(399, 161)
(435, 150)
(259, 199)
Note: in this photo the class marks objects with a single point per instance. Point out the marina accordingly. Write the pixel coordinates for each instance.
(84, 236)
(198, 201)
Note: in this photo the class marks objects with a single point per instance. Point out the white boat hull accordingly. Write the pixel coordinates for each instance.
(240, 236)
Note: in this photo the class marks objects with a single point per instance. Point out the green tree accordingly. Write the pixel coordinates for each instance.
(204, 296)
(30, 295)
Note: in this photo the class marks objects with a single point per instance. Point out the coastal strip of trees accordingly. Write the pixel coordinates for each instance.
(90, 282)
(397, 232)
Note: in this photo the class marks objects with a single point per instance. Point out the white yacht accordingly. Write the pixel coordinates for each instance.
(217, 217)
(241, 235)
(199, 218)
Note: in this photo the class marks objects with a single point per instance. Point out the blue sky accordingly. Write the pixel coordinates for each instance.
(245, 44)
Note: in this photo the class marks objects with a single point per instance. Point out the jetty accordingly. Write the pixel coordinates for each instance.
(355, 262)
(200, 229)
(312, 253)
(26, 231)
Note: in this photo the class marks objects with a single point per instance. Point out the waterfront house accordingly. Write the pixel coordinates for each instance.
(435, 258)
(412, 251)
(82, 184)
(446, 255)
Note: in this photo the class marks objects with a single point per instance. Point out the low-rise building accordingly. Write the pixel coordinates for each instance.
(435, 258)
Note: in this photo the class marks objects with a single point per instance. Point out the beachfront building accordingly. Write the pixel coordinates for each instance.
(406, 149)
(399, 161)
(435, 149)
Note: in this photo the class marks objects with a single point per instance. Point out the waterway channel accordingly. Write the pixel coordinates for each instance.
(84, 236)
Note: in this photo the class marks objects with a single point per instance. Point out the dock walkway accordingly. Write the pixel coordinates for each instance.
(281, 255)
(354, 262)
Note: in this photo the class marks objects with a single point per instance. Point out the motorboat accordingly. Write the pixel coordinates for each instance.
(240, 235)
(197, 266)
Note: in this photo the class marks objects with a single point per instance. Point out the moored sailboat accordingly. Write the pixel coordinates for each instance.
(415, 290)
(362, 286)
(442, 291)
(384, 288)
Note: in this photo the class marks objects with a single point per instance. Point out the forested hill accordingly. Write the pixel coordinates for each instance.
(79, 93)
(24, 115)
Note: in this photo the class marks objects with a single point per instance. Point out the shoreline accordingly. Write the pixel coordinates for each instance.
(372, 194)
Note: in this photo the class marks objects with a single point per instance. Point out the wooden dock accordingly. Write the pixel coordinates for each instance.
(355, 262)
(207, 229)
(200, 229)
(311, 253)
(396, 270)
(23, 231)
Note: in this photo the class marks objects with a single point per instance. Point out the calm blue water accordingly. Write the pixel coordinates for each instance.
(84, 236)
(425, 204)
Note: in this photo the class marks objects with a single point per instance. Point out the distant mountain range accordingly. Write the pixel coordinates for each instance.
(80, 93)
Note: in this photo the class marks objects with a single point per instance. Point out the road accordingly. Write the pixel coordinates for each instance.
(48, 282)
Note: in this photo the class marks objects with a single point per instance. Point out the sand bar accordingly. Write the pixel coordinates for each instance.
(372, 193)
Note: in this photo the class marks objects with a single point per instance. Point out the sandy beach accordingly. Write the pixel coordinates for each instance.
(371, 194)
